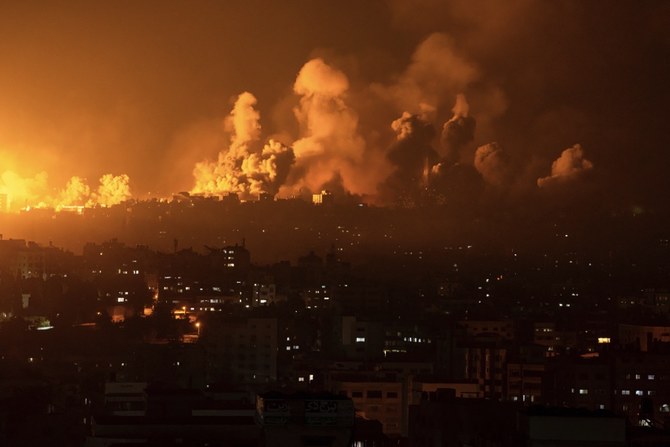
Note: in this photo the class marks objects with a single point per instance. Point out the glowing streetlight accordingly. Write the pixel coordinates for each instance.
(197, 325)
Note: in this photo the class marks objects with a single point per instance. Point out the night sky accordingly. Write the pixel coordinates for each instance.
(354, 94)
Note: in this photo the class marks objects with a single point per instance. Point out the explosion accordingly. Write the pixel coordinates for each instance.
(491, 162)
(413, 158)
(332, 147)
(244, 168)
(458, 131)
(34, 192)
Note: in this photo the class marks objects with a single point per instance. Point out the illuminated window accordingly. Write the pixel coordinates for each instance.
(639, 393)
(583, 391)
(360, 339)
(651, 377)
(625, 392)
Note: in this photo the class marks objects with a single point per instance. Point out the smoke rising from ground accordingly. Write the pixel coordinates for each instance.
(244, 168)
(339, 93)
(330, 147)
(412, 157)
(436, 73)
(458, 131)
(492, 163)
(568, 166)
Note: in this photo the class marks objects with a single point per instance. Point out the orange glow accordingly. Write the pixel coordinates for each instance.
(24, 193)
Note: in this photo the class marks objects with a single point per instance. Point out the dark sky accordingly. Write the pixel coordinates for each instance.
(144, 88)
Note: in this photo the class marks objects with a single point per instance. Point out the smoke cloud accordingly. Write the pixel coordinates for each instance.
(568, 166)
(492, 163)
(76, 192)
(515, 61)
(113, 190)
(244, 168)
(458, 131)
(412, 156)
(330, 148)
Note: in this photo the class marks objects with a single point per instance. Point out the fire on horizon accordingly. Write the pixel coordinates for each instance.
(216, 99)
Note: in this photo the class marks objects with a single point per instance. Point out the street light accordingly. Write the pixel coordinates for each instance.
(197, 325)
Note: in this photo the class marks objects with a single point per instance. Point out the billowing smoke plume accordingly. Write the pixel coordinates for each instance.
(267, 171)
(458, 131)
(331, 148)
(569, 165)
(412, 127)
(437, 72)
(113, 190)
(412, 158)
(244, 167)
(76, 192)
(492, 163)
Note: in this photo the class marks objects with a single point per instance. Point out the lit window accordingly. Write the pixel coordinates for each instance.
(583, 391)
(651, 377)
(360, 339)
(639, 393)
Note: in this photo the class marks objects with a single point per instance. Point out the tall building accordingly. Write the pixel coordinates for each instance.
(246, 349)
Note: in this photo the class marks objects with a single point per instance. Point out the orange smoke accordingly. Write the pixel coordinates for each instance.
(331, 148)
(569, 165)
(244, 167)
